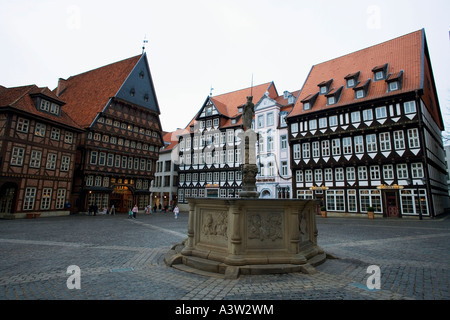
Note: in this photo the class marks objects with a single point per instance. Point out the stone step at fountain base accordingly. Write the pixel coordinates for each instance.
(218, 269)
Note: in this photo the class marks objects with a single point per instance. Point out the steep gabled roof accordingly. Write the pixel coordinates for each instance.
(401, 54)
(88, 93)
(21, 98)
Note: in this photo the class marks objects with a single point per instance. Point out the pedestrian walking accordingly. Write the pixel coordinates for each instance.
(135, 211)
(130, 214)
(176, 211)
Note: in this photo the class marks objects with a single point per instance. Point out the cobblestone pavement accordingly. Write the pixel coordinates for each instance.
(122, 259)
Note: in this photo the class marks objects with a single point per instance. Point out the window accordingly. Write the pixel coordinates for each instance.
(375, 173)
(299, 176)
(367, 115)
(399, 140)
(417, 170)
(331, 100)
(294, 128)
(308, 176)
(270, 145)
(359, 93)
(350, 83)
(270, 121)
(30, 196)
(306, 150)
(60, 198)
(230, 156)
(347, 145)
(362, 173)
(322, 123)
(51, 161)
(323, 90)
(318, 176)
(316, 149)
(379, 75)
(393, 85)
(46, 198)
(55, 133)
(296, 150)
(388, 172)
(333, 121)
(359, 144)
(325, 148)
(402, 171)
(102, 159)
(283, 143)
(385, 141)
(328, 174)
(39, 130)
(356, 117)
(68, 138)
(371, 143)
(230, 138)
(313, 124)
(351, 176)
(35, 159)
(216, 122)
(339, 174)
(370, 198)
(260, 121)
(304, 194)
(336, 147)
(352, 206)
(335, 200)
(413, 138)
(65, 163)
(45, 105)
(23, 125)
(306, 106)
(409, 107)
(17, 156)
(380, 112)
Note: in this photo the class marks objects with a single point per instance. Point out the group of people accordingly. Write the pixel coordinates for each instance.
(132, 212)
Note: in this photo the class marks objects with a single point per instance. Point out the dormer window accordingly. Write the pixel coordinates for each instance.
(309, 101)
(132, 92)
(240, 109)
(362, 90)
(380, 72)
(334, 95)
(394, 81)
(352, 79)
(324, 86)
(49, 107)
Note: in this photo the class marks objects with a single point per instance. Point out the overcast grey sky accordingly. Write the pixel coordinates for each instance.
(193, 45)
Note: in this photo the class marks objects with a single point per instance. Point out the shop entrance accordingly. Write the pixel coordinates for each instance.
(122, 199)
(392, 205)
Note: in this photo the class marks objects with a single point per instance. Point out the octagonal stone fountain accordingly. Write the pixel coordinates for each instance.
(249, 235)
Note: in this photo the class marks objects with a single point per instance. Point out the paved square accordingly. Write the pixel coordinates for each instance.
(122, 259)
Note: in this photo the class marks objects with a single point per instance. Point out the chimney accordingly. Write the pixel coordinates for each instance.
(62, 83)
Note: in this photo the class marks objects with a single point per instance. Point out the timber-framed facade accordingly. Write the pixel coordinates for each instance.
(368, 134)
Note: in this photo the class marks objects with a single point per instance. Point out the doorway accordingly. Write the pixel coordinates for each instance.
(392, 205)
(7, 195)
(122, 199)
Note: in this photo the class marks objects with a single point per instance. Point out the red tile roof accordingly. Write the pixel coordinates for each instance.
(171, 140)
(403, 53)
(227, 104)
(88, 93)
(20, 98)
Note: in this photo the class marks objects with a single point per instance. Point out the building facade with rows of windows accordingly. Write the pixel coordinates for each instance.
(94, 140)
(38, 142)
(210, 147)
(366, 132)
(117, 108)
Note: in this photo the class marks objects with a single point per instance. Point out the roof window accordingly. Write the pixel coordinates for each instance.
(309, 101)
(352, 79)
(362, 90)
(380, 72)
(324, 86)
(334, 95)
(394, 81)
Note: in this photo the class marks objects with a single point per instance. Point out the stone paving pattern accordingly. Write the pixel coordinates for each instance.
(123, 259)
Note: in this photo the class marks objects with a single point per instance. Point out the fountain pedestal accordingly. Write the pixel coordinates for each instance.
(251, 236)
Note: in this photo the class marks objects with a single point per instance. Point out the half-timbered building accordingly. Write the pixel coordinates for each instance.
(366, 132)
(117, 108)
(210, 154)
(38, 142)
